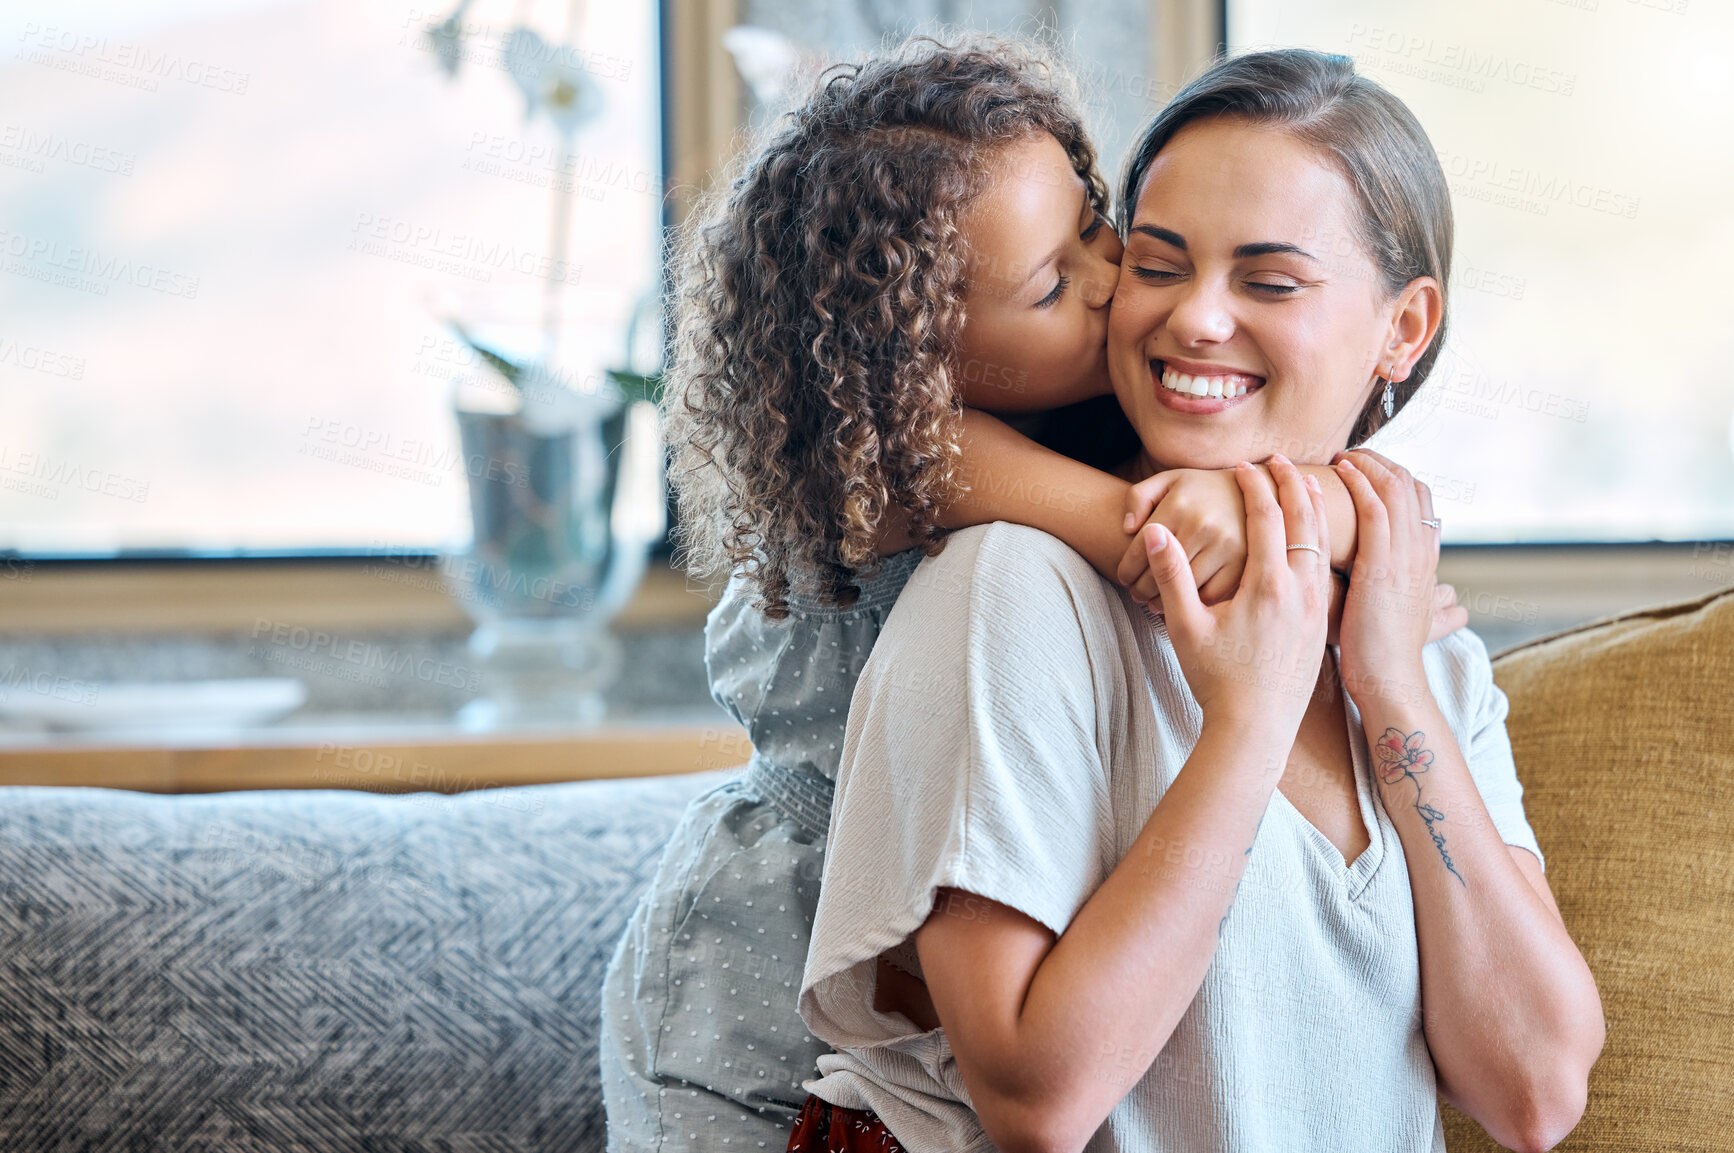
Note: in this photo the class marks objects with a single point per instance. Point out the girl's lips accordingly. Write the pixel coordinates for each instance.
(1202, 405)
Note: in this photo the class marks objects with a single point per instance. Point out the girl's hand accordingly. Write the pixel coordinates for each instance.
(1253, 660)
(1448, 615)
(1389, 614)
(1203, 507)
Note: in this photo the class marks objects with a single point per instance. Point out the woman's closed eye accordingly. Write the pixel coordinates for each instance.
(1273, 288)
(1053, 297)
(1260, 287)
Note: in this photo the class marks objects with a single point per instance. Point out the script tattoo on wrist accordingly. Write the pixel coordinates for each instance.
(1403, 755)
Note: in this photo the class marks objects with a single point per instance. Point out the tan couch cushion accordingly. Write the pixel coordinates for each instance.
(1623, 731)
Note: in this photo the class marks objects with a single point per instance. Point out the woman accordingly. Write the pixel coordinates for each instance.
(924, 232)
(1047, 801)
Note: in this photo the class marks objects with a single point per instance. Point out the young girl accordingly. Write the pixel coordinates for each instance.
(1031, 933)
(816, 408)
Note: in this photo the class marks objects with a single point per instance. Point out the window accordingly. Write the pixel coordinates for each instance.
(1584, 392)
(229, 231)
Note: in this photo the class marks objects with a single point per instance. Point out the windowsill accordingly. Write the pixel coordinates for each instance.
(372, 755)
(1516, 593)
(64, 599)
(174, 621)
(370, 722)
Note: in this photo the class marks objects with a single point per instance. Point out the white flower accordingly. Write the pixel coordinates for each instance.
(552, 79)
(446, 39)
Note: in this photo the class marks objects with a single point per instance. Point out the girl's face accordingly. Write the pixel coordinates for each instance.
(1042, 268)
(1250, 318)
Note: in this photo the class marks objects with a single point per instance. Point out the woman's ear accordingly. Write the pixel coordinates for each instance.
(1415, 317)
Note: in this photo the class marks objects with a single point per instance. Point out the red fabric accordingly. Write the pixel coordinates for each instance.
(826, 1128)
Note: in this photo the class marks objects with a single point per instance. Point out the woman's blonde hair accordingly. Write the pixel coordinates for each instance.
(818, 304)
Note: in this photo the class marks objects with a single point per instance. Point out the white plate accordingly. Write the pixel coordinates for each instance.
(68, 703)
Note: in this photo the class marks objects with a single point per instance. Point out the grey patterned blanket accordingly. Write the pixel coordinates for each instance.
(319, 970)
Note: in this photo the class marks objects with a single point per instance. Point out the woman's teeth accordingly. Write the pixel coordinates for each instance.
(1219, 386)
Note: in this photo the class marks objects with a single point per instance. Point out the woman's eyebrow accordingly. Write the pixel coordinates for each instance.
(1272, 248)
(1165, 235)
(1263, 248)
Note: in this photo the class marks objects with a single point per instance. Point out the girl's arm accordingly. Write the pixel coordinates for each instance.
(1513, 1019)
(1012, 478)
(1009, 477)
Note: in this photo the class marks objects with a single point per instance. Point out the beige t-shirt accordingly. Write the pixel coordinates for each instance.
(1014, 727)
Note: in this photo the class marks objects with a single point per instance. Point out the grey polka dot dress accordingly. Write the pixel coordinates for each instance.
(702, 1046)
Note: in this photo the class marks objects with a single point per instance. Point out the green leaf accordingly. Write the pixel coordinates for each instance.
(637, 387)
(512, 372)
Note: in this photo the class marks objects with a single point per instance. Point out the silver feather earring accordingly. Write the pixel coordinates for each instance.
(1390, 400)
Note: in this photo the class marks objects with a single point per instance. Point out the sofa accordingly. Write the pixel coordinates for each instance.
(331, 970)
(1623, 733)
(315, 970)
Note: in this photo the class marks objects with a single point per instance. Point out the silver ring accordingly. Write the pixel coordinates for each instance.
(1312, 548)
(1429, 523)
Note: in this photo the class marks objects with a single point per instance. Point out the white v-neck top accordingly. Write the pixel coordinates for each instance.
(1014, 727)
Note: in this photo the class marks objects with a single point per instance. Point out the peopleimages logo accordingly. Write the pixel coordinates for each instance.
(1478, 387)
(14, 679)
(1529, 189)
(460, 253)
(43, 475)
(316, 651)
(496, 46)
(497, 155)
(44, 259)
(35, 358)
(1460, 65)
(41, 146)
(136, 65)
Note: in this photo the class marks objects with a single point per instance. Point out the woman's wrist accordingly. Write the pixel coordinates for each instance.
(1401, 719)
(1389, 685)
(1248, 741)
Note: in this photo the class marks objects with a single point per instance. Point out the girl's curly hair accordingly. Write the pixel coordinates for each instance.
(818, 304)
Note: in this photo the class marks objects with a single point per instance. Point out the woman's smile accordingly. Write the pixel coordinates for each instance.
(1199, 388)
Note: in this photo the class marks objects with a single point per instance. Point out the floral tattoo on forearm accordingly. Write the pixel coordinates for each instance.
(1401, 756)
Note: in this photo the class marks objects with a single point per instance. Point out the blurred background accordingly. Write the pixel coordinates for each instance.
(329, 332)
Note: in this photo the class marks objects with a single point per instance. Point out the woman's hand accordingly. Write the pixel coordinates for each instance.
(1389, 613)
(1253, 660)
